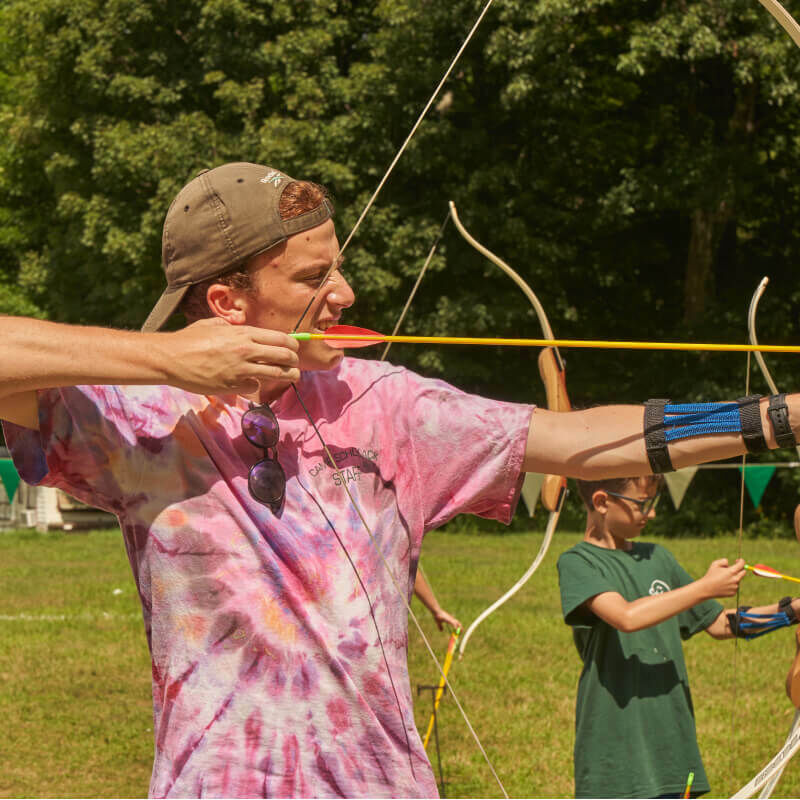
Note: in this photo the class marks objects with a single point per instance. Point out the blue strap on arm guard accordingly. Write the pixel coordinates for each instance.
(698, 419)
(745, 625)
(665, 422)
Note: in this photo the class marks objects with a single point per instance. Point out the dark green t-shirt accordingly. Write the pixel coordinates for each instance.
(634, 721)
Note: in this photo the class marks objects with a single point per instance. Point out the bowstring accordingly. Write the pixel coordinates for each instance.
(421, 275)
(359, 579)
(336, 261)
(402, 596)
(399, 153)
(739, 539)
(385, 352)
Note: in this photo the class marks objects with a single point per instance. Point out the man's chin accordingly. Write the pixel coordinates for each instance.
(314, 362)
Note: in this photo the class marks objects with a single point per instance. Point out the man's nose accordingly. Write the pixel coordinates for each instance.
(341, 294)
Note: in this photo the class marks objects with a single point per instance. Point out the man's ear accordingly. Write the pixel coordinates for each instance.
(600, 501)
(228, 303)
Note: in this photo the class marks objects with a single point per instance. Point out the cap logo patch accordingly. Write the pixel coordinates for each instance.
(274, 177)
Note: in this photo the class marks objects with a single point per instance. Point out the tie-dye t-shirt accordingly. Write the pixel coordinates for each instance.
(268, 676)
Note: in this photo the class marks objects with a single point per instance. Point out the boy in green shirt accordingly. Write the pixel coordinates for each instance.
(630, 604)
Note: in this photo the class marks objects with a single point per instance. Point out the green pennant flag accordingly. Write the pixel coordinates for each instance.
(756, 479)
(9, 476)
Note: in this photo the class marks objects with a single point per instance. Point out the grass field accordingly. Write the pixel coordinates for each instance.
(75, 673)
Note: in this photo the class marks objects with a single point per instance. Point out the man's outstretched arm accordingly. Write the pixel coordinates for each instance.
(208, 357)
(608, 442)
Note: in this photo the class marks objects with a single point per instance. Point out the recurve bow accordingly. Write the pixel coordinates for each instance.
(551, 370)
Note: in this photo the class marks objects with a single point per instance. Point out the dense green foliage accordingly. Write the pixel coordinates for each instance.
(636, 161)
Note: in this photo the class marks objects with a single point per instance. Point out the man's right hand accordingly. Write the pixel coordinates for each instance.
(213, 357)
(208, 357)
(722, 580)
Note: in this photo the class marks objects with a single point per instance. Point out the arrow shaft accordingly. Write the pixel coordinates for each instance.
(576, 343)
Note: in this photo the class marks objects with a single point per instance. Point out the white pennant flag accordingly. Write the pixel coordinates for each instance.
(531, 487)
(678, 482)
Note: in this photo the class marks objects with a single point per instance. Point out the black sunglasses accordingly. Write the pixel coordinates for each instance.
(266, 480)
(645, 506)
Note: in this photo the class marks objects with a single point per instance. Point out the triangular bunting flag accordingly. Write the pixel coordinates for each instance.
(756, 479)
(9, 476)
(678, 482)
(531, 487)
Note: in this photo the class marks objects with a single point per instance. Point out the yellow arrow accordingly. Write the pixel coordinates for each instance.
(365, 339)
(763, 571)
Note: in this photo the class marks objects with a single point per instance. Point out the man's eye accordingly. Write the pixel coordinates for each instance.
(316, 280)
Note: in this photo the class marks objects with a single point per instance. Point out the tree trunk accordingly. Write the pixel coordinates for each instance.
(707, 227)
(708, 224)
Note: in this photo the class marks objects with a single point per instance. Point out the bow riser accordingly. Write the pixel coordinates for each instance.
(553, 375)
(551, 370)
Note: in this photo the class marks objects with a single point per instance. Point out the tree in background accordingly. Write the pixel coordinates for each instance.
(634, 160)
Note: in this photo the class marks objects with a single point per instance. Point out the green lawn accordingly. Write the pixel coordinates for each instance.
(75, 675)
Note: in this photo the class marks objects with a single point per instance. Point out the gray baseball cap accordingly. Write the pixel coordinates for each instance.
(221, 218)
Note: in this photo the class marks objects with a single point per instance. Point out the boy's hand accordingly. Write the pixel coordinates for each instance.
(443, 618)
(722, 580)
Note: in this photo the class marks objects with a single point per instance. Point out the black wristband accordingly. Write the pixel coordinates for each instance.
(785, 606)
(655, 439)
(750, 419)
(733, 621)
(778, 413)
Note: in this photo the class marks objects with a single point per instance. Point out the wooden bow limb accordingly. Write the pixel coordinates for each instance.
(551, 370)
(783, 18)
(751, 327)
(548, 537)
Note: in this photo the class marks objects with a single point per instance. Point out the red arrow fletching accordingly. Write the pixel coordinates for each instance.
(766, 572)
(351, 330)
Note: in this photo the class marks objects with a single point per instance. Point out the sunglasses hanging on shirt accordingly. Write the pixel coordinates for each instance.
(266, 480)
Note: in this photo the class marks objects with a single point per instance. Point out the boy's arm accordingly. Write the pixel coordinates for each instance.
(208, 357)
(608, 442)
(424, 592)
(721, 580)
(720, 628)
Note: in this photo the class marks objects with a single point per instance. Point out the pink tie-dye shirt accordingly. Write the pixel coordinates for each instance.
(268, 675)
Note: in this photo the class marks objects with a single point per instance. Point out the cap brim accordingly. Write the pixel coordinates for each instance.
(164, 308)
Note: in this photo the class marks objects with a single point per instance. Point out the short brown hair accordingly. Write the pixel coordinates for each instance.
(587, 488)
(298, 197)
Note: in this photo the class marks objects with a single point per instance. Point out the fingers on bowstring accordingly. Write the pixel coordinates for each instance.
(265, 336)
(276, 372)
